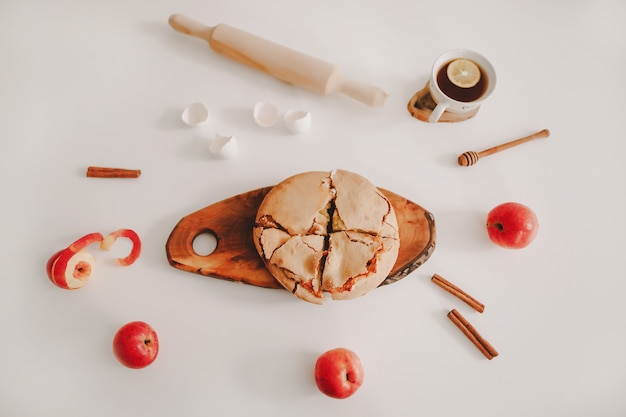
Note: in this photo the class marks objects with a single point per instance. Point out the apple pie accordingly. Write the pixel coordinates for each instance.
(327, 232)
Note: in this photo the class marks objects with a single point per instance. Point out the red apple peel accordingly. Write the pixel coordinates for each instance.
(71, 268)
(126, 233)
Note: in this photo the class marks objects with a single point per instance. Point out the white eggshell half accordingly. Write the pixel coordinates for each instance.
(265, 114)
(223, 146)
(195, 114)
(297, 121)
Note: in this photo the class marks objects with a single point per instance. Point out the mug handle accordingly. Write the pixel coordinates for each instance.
(437, 112)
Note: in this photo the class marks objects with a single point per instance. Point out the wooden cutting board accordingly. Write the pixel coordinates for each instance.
(235, 258)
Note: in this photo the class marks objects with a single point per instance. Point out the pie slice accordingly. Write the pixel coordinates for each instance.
(355, 259)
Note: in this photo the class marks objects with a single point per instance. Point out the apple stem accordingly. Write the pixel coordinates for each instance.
(496, 225)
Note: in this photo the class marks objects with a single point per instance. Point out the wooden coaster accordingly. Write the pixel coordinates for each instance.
(422, 105)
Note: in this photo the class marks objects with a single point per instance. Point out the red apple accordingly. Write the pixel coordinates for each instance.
(512, 225)
(338, 373)
(70, 268)
(136, 345)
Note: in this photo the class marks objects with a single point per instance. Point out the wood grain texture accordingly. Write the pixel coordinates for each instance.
(235, 258)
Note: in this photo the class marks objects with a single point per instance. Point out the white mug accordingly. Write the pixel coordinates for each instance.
(447, 103)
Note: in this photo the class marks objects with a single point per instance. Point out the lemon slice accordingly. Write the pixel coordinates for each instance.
(463, 73)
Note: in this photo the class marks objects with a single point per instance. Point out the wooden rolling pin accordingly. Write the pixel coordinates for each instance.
(283, 63)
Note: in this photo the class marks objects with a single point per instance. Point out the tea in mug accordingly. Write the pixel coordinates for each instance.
(458, 93)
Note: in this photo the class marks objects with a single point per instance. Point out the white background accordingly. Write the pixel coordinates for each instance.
(104, 83)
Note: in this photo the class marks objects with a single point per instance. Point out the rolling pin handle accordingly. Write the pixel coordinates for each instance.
(368, 94)
(189, 26)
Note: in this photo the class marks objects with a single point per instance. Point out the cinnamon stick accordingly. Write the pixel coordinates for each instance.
(102, 172)
(470, 332)
(457, 292)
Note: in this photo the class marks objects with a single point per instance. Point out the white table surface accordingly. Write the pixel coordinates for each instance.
(104, 83)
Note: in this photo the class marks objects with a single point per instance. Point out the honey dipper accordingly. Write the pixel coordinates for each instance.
(470, 157)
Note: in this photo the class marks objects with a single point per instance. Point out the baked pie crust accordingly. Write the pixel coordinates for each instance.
(332, 232)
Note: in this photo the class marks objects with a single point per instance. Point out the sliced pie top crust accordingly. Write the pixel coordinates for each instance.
(331, 232)
(360, 206)
(299, 204)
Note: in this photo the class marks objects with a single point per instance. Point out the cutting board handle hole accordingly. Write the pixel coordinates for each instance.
(204, 243)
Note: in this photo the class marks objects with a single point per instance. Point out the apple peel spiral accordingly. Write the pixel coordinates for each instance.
(71, 268)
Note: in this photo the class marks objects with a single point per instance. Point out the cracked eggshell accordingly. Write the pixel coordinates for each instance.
(223, 146)
(195, 114)
(297, 121)
(265, 114)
